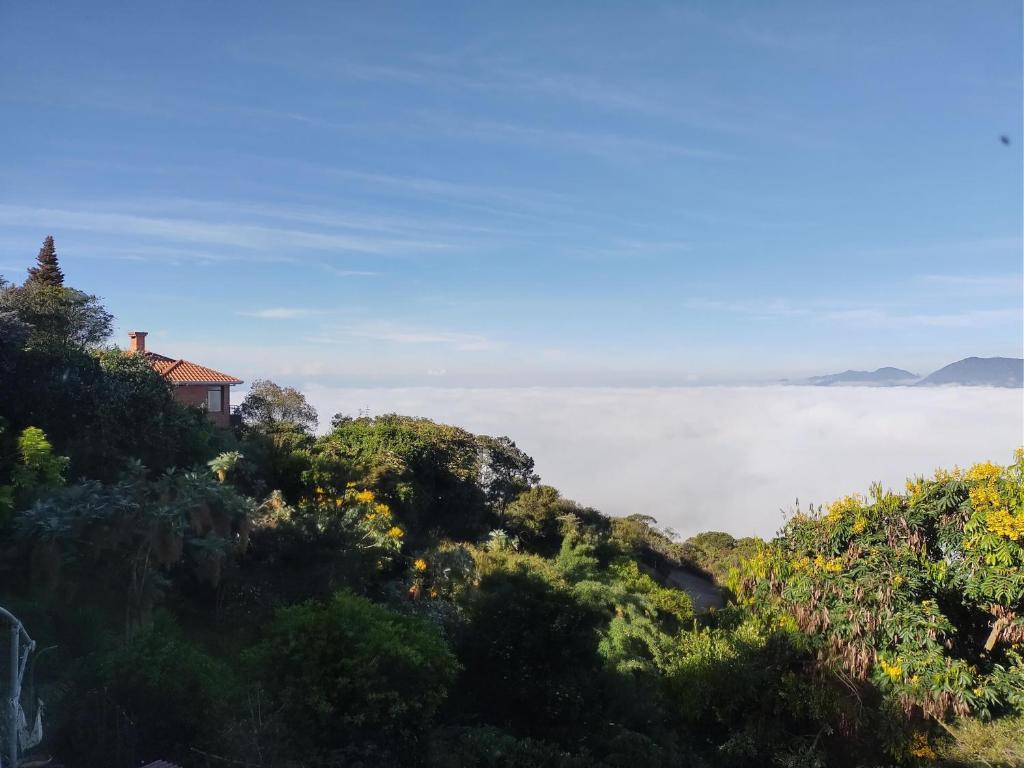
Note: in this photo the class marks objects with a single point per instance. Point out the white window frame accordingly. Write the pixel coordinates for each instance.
(220, 399)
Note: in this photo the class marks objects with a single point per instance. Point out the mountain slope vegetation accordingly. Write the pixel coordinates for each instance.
(398, 592)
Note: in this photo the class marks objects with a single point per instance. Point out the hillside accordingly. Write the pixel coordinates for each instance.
(979, 372)
(882, 377)
(399, 592)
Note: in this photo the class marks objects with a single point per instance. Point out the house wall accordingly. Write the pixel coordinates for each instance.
(195, 395)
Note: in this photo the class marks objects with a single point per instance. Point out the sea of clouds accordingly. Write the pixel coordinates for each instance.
(717, 458)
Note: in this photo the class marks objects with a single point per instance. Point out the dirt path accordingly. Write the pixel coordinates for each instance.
(702, 591)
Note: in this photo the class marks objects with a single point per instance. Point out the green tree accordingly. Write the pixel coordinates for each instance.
(111, 545)
(59, 318)
(47, 270)
(269, 406)
(505, 470)
(38, 468)
(428, 472)
(36, 471)
(353, 681)
(13, 334)
(917, 598)
(530, 659)
(135, 417)
(540, 517)
(156, 696)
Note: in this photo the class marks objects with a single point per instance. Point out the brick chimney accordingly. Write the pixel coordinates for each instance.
(137, 341)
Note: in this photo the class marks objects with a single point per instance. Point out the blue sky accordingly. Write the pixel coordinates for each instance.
(525, 193)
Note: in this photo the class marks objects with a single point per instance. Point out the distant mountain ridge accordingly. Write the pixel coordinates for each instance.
(969, 372)
(979, 372)
(881, 377)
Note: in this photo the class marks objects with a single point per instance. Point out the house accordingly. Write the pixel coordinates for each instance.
(191, 383)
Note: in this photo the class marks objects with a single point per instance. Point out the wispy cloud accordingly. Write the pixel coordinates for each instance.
(606, 145)
(398, 334)
(983, 282)
(425, 186)
(982, 245)
(481, 73)
(863, 315)
(281, 313)
(341, 272)
(882, 318)
(235, 235)
(755, 307)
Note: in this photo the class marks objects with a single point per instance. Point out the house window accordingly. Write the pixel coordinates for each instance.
(213, 400)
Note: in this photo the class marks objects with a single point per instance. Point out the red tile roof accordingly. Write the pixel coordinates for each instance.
(185, 372)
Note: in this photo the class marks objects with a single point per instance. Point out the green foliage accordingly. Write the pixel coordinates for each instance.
(427, 472)
(887, 631)
(540, 518)
(543, 682)
(104, 411)
(111, 544)
(979, 744)
(36, 471)
(269, 406)
(639, 535)
(718, 553)
(158, 696)
(505, 470)
(135, 415)
(918, 594)
(280, 459)
(47, 268)
(223, 463)
(488, 747)
(59, 318)
(351, 680)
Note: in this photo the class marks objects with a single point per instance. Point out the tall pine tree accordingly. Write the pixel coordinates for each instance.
(47, 270)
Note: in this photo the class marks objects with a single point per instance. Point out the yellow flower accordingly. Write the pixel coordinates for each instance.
(801, 563)
(1002, 522)
(978, 691)
(382, 509)
(396, 532)
(860, 524)
(832, 565)
(841, 506)
(984, 496)
(337, 502)
(945, 475)
(894, 671)
(921, 748)
(365, 497)
(420, 564)
(986, 471)
(897, 580)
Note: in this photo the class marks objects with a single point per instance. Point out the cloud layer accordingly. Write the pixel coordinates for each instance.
(719, 458)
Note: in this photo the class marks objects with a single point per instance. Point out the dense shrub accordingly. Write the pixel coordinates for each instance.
(158, 696)
(353, 681)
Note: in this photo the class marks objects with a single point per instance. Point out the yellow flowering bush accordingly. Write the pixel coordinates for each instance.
(369, 523)
(920, 593)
